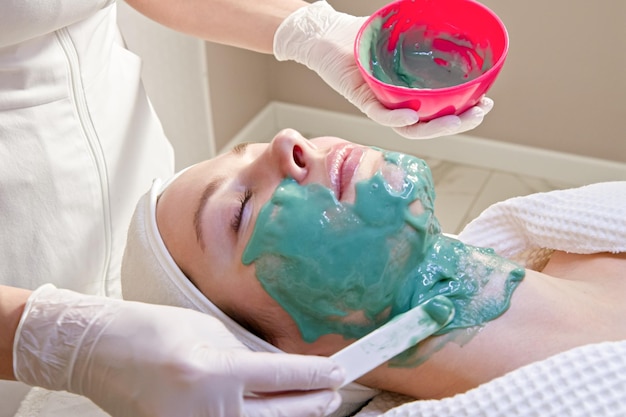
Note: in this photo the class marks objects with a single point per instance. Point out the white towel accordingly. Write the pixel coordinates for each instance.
(589, 219)
(149, 274)
(586, 381)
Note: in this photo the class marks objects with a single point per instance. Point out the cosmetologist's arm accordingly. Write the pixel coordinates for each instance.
(248, 24)
(12, 302)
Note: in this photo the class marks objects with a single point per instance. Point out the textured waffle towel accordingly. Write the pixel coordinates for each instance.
(589, 381)
(589, 219)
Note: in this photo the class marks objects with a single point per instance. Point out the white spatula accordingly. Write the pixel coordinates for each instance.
(402, 332)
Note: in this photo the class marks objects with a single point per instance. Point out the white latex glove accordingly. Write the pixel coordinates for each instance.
(135, 360)
(323, 40)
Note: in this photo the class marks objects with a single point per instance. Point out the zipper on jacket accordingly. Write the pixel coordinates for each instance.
(82, 110)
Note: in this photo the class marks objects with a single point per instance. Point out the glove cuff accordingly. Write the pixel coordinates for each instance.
(50, 334)
(292, 38)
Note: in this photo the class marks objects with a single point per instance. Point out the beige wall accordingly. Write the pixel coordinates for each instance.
(238, 88)
(562, 88)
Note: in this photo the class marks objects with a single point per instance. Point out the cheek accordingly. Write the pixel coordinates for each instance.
(232, 287)
(342, 268)
(248, 292)
(250, 299)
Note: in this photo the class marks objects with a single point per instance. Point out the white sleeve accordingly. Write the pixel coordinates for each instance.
(589, 219)
(21, 20)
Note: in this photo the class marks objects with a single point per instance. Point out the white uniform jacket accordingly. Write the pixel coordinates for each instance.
(79, 144)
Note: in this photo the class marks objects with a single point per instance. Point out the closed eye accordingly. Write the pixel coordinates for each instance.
(235, 224)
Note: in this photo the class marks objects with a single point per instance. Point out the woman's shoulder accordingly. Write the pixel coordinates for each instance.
(602, 267)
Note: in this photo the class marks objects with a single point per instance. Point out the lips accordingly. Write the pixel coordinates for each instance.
(342, 162)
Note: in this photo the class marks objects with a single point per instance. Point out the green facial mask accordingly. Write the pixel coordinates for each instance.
(349, 268)
(421, 59)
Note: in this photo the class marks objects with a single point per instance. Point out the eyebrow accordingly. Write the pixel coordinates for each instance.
(240, 148)
(209, 190)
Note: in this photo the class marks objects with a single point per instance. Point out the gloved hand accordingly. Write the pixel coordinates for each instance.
(135, 360)
(323, 40)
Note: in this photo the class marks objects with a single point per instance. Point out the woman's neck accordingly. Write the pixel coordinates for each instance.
(478, 282)
(547, 315)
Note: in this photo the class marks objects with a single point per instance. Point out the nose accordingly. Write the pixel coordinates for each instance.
(292, 152)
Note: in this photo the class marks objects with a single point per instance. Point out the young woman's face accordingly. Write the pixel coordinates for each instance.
(207, 217)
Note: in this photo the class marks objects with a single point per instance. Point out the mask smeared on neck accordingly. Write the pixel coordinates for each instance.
(348, 268)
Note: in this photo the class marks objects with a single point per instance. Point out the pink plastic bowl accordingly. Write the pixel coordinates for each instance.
(453, 50)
